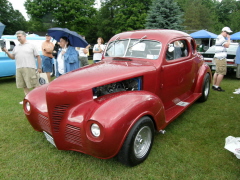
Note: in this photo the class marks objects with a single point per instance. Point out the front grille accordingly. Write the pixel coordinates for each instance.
(57, 116)
(73, 135)
(44, 123)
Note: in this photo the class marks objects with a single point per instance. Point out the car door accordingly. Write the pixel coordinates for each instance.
(178, 72)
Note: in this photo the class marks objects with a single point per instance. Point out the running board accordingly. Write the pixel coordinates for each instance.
(173, 112)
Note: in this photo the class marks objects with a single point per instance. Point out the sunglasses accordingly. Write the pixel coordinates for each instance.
(227, 32)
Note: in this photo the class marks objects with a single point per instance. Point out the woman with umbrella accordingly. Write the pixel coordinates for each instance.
(67, 59)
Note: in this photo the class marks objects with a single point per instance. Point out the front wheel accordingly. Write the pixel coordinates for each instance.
(205, 88)
(138, 143)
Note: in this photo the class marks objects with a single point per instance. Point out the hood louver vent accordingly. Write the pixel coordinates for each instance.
(57, 116)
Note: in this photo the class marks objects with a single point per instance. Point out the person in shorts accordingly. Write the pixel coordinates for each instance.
(47, 61)
(220, 58)
(25, 54)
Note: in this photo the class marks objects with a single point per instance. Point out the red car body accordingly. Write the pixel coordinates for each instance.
(119, 92)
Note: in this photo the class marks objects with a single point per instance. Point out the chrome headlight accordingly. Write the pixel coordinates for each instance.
(27, 106)
(95, 129)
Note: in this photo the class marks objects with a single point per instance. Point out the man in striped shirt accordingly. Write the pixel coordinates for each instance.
(220, 58)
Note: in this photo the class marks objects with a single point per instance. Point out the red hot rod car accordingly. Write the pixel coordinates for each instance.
(146, 79)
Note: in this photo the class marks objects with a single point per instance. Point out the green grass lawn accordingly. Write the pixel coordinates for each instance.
(192, 148)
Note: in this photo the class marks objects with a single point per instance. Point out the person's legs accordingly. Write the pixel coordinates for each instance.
(84, 61)
(49, 76)
(219, 79)
(26, 91)
(215, 78)
(47, 65)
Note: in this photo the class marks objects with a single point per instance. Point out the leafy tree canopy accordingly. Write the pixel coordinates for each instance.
(73, 14)
(116, 16)
(13, 19)
(197, 16)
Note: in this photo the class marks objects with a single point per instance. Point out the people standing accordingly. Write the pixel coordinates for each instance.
(83, 55)
(25, 54)
(47, 61)
(220, 58)
(98, 50)
(67, 59)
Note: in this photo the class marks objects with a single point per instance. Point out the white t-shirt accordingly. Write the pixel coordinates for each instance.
(81, 53)
(97, 56)
(25, 55)
(220, 50)
(60, 60)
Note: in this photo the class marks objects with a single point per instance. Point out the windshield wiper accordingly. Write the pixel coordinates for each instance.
(113, 42)
(140, 40)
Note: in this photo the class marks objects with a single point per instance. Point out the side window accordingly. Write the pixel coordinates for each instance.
(12, 45)
(177, 49)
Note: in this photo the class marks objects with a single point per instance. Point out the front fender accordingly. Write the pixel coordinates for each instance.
(116, 114)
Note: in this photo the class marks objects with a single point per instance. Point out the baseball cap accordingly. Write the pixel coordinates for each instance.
(227, 29)
(47, 34)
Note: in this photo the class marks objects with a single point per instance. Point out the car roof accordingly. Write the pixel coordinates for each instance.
(153, 34)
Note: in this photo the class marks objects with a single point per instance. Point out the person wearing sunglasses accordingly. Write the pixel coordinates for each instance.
(220, 58)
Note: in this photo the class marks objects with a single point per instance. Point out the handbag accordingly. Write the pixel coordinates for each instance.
(42, 78)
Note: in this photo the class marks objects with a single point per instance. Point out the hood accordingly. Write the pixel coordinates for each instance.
(101, 74)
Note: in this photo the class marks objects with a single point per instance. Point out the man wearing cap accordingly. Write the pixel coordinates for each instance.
(47, 63)
(220, 58)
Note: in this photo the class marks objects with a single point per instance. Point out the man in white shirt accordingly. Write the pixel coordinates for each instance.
(220, 58)
(25, 54)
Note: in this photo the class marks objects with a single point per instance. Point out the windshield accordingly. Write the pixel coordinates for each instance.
(137, 48)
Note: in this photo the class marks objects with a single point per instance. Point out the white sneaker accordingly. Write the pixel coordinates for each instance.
(21, 102)
(237, 92)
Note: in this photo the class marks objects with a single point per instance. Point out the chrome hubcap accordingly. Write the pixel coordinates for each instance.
(142, 142)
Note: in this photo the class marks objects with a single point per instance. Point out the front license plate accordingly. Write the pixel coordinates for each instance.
(49, 138)
(213, 67)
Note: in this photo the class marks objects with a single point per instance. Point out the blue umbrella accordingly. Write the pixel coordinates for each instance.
(2, 27)
(74, 38)
(235, 36)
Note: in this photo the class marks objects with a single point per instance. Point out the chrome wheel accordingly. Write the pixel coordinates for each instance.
(142, 142)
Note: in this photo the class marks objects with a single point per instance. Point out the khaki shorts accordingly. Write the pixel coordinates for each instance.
(26, 78)
(221, 66)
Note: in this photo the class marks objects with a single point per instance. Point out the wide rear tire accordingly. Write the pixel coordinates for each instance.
(138, 143)
(205, 88)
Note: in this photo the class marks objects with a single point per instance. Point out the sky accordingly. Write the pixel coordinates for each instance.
(18, 5)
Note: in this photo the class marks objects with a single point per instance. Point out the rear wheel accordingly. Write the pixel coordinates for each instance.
(138, 143)
(205, 88)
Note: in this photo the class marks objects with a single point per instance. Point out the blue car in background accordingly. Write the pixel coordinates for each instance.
(7, 65)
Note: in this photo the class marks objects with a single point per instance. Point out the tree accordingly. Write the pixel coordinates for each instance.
(197, 16)
(131, 15)
(13, 19)
(73, 14)
(116, 16)
(235, 21)
(225, 8)
(164, 14)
